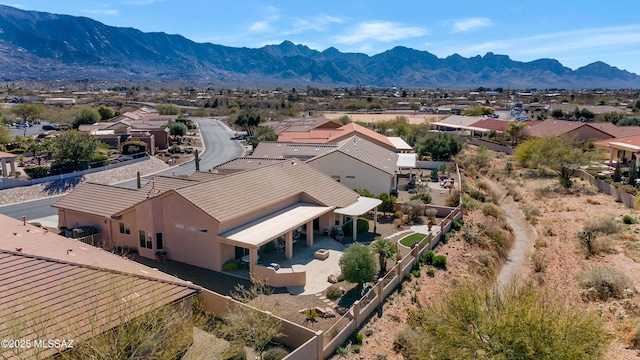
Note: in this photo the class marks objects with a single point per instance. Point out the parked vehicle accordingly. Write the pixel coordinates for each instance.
(49, 127)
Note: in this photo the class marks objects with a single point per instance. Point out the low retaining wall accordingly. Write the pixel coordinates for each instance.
(307, 343)
(8, 183)
(283, 277)
(624, 197)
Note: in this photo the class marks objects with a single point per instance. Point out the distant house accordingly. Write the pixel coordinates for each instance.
(209, 220)
(323, 136)
(58, 288)
(622, 149)
(62, 101)
(144, 124)
(583, 131)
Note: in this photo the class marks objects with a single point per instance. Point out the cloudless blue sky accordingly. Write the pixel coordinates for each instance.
(576, 33)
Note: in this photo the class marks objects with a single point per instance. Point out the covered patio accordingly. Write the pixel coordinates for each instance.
(4, 159)
(259, 232)
(359, 208)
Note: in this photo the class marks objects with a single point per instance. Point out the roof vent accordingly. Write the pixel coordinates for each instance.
(19, 249)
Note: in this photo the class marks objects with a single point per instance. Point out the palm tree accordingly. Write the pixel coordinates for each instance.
(517, 132)
(385, 251)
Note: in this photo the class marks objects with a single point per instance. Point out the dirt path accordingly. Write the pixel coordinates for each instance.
(524, 234)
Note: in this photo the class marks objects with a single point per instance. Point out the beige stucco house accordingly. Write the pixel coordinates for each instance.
(355, 162)
(211, 219)
(622, 149)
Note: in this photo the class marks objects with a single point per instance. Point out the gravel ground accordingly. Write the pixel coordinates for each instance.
(59, 187)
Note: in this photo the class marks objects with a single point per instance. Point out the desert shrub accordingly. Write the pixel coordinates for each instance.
(362, 225)
(334, 332)
(414, 209)
(605, 224)
(131, 147)
(424, 197)
(484, 258)
(491, 209)
(591, 244)
(36, 172)
(405, 342)
(440, 261)
(531, 214)
(357, 338)
(468, 204)
(381, 357)
(275, 353)
(235, 351)
(544, 192)
(604, 282)
(431, 272)
(368, 332)
(472, 321)
(334, 292)
(627, 219)
(427, 257)
(355, 349)
(398, 214)
(500, 242)
(99, 160)
(342, 351)
(469, 235)
(478, 195)
(408, 275)
(416, 273)
(230, 265)
(539, 262)
(457, 225)
(82, 231)
(454, 199)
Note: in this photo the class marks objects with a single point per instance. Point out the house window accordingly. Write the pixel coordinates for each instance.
(338, 217)
(125, 229)
(146, 241)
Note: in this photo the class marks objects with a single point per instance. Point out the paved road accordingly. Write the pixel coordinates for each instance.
(219, 148)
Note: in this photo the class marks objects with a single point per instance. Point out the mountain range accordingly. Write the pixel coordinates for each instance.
(43, 46)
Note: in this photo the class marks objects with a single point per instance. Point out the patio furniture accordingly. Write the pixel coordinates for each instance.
(246, 259)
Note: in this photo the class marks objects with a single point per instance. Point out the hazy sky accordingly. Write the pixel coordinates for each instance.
(576, 33)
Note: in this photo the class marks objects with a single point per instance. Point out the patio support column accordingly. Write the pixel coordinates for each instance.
(611, 155)
(4, 168)
(253, 259)
(13, 165)
(395, 180)
(375, 220)
(355, 228)
(288, 245)
(309, 229)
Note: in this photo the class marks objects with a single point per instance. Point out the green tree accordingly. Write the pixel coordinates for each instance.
(5, 135)
(633, 173)
(73, 148)
(476, 322)
(358, 264)
(617, 174)
(557, 114)
(561, 154)
(384, 250)
(248, 120)
(263, 133)
(388, 203)
(413, 209)
(106, 113)
(26, 111)
(477, 111)
(176, 128)
(365, 193)
(167, 109)
(439, 146)
(516, 131)
(87, 116)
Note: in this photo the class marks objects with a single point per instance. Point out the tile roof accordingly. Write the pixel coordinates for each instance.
(369, 153)
(335, 135)
(553, 127)
(275, 149)
(244, 163)
(53, 287)
(99, 199)
(204, 176)
(616, 131)
(4, 155)
(633, 140)
(493, 124)
(300, 124)
(241, 193)
(164, 183)
(461, 120)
